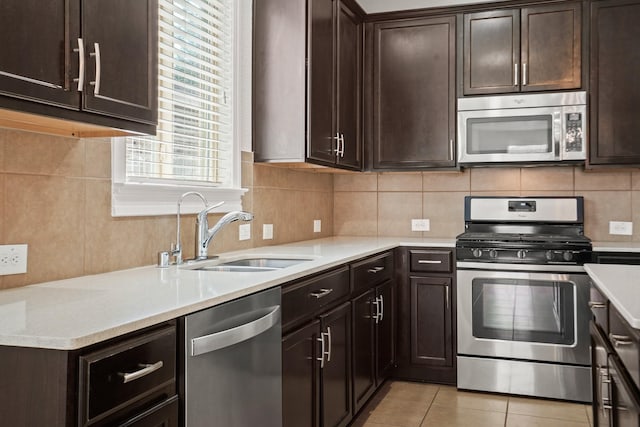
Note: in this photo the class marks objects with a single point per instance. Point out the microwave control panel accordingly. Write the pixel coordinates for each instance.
(573, 132)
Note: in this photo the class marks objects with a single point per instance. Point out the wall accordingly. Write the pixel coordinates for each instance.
(383, 204)
(55, 195)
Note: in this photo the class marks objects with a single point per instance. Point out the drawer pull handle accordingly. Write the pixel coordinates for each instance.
(321, 293)
(375, 270)
(597, 304)
(429, 261)
(619, 340)
(147, 368)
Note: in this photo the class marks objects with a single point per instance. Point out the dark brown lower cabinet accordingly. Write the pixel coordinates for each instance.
(301, 379)
(373, 341)
(426, 316)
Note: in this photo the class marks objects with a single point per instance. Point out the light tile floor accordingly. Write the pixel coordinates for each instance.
(406, 404)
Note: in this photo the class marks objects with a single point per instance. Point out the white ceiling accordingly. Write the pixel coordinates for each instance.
(376, 6)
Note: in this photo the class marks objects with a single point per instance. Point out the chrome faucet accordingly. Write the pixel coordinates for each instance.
(204, 234)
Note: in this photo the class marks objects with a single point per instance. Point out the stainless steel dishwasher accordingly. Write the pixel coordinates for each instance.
(233, 363)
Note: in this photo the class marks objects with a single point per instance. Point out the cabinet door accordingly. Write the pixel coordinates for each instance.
(551, 47)
(431, 316)
(322, 140)
(414, 93)
(121, 58)
(349, 48)
(615, 87)
(300, 379)
(491, 52)
(37, 61)
(162, 415)
(385, 348)
(336, 373)
(626, 402)
(601, 389)
(364, 378)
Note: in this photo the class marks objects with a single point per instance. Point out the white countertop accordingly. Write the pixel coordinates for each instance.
(616, 246)
(74, 313)
(621, 285)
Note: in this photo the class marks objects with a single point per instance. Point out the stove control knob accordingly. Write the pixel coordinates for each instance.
(549, 255)
(493, 253)
(477, 253)
(567, 255)
(521, 254)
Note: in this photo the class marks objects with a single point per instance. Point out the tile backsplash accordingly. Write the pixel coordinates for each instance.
(55, 195)
(383, 204)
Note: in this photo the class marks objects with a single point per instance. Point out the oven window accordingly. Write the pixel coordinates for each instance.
(510, 135)
(524, 310)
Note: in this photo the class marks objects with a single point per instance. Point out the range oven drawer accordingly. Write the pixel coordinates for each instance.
(437, 261)
(124, 374)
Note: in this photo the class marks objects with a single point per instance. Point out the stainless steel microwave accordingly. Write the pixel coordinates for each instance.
(526, 128)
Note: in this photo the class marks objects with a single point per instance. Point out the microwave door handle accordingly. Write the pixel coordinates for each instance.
(557, 135)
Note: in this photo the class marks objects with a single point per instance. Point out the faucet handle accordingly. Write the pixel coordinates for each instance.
(203, 213)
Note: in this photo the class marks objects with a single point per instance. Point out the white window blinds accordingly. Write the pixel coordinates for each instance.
(195, 77)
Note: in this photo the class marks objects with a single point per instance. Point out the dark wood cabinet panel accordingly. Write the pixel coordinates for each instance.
(336, 373)
(431, 321)
(491, 52)
(321, 81)
(125, 33)
(614, 83)
(531, 49)
(551, 47)
(39, 64)
(413, 93)
(300, 377)
(364, 348)
(349, 86)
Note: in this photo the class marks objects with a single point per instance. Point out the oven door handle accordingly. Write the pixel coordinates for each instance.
(552, 268)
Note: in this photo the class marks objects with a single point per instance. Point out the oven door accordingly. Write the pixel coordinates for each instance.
(538, 316)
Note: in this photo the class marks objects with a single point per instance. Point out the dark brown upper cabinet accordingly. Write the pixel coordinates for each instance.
(413, 94)
(307, 95)
(100, 59)
(531, 49)
(615, 87)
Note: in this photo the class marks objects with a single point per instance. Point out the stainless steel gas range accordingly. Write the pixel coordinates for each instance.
(523, 318)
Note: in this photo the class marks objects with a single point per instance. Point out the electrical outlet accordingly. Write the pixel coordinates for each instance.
(13, 259)
(420, 225)
(317, 226)
(621, 227)
(267, 231)
(244, 232)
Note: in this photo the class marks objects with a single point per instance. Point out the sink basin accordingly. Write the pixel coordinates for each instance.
(250, 264)
(270, 263)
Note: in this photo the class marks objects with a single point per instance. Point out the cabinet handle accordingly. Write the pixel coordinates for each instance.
(515, 74)
(429, 261)
(321, 293)
(80, 51)
(96, 82)
(147, 368)
(341, 141)
(446, 296)
(619, 340)
(597, 304)
(322, 350)
(375, 270)
(524, 74)
(381, 308)
(338, 144)
(376, 316)
(451, 149)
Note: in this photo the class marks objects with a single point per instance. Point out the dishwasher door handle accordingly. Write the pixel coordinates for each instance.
(226, 338)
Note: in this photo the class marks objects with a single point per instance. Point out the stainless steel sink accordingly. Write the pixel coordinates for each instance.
(251, 264)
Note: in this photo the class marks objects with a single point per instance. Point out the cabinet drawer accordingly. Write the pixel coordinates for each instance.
(431, 260)
(119, 375)
(626, 343)
(303, 299)
(372, 271)
(599, 306)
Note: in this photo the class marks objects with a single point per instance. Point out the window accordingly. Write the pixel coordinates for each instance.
(194, 147)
